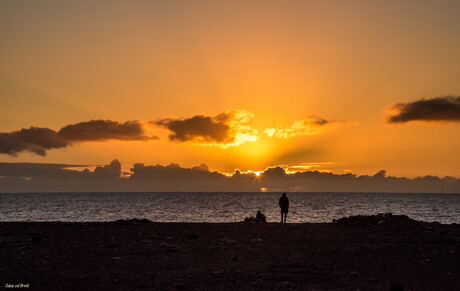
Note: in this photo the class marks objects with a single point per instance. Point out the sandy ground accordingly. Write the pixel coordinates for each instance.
(359, 253)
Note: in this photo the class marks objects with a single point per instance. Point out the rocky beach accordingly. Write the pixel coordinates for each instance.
(376, 252)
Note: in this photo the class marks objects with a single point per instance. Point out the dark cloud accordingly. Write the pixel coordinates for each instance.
(109, 171)
(60, 171)
(380, 174)
(33, 139)
(274, 172)
(95, 130)
(27, 170)
(38, 140)
(320, 121)
(445, 109)
(172, 171)
(199, 128)
(28, 177)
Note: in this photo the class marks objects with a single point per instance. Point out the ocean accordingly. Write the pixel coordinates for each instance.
(223, 207)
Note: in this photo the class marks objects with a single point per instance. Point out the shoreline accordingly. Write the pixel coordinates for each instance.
(360, 252)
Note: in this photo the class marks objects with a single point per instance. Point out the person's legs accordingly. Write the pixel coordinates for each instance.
(285, 216)
(281, 216)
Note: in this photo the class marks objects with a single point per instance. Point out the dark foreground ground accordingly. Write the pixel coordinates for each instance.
(359, 253)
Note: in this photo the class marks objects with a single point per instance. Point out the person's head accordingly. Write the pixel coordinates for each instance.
(284, 194)
(258, 211)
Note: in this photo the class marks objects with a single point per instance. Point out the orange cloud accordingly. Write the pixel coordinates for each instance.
(309, 126)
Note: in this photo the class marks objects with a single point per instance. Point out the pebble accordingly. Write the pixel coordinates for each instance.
(193, 236)
(229, 241)
(314, 267)
(36, 239)
(354, 273)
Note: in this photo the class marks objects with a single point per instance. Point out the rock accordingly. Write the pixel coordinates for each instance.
(235, 258)
(256, 240)
(354, 273)
(250, 219)
(37, 239)
(397, 287)
(166, 245)
(170, 248)
(381, 221)
(373, 219)
(229, 241)
(284, 284)
(193, 236)
(131, 221)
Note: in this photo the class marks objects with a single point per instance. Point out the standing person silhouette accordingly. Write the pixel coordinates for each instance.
(284, 204)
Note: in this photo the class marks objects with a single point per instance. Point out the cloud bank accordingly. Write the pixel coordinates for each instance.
(36, 177)
(439, 109)
(39, 139)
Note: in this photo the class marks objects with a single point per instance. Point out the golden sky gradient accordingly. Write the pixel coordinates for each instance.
(286, 65)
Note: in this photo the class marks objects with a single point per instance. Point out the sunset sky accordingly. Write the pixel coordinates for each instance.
(341, 86)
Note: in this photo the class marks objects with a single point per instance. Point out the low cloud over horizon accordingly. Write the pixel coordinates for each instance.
(40, 139)
(38, 177)
(439, 109)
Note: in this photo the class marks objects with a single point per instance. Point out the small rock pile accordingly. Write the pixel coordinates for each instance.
(380, 218)
(131, 221)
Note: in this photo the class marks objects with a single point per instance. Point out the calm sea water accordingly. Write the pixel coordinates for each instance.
(222, 207)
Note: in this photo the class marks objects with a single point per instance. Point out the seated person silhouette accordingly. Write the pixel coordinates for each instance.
(260, 217)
